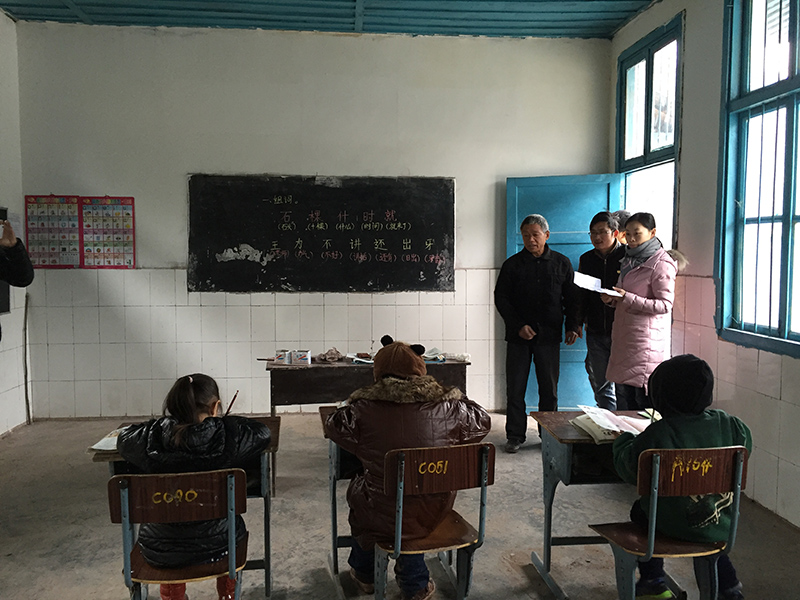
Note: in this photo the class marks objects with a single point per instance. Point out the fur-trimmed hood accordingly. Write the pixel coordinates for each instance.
(422, 388)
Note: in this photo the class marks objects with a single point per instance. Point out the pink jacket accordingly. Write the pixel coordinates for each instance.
(640, 335)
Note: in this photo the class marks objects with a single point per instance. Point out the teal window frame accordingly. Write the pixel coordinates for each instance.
(645, 49)
(737, 105)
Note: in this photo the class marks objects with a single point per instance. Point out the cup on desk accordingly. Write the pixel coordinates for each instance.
(301, 357)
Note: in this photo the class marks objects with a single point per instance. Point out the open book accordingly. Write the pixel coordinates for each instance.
(107, 443)
(604, 426)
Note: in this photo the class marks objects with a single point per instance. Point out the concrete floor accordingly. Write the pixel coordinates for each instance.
(56, 540)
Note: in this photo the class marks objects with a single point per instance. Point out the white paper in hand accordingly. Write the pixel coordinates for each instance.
(593, 284)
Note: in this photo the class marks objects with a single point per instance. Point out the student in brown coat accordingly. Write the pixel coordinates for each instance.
(404, 408)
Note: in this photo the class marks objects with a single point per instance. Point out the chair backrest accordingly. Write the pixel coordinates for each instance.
(689, 472)
(176, 497)
(692, 471)
(439, 469)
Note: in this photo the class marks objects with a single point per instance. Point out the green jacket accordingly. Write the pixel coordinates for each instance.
(697, 518)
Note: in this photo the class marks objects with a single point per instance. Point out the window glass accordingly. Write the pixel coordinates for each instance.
(764, 164)
(761, 261)
(635, 86)
(795, 287)
(769, 42)
(665, 72)
(653, 190)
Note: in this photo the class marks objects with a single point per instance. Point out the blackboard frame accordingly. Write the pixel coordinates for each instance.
(301, 233)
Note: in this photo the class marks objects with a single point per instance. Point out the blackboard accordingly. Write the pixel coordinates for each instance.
(295, 233)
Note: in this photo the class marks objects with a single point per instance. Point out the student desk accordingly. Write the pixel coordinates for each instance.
(330, 383)
(258, 486)
(341, 465)
(572, 458)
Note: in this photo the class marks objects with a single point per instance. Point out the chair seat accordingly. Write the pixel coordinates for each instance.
(632, 537)
(452, 533)
(143, 572)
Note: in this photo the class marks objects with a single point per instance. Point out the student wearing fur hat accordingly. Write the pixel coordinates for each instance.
(404, 408)
(681, 390)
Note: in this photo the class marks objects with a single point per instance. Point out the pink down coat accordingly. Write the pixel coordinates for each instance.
(642, 320)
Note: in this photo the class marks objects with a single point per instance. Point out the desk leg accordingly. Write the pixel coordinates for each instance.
(333, 463)
(273, 458)
(267, 492)
(550, 479)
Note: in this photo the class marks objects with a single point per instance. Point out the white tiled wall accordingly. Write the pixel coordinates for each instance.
(12, 354)
(760, 387)
(111, 343)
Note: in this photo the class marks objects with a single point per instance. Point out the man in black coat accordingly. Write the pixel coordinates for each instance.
(15, 264)
(601, 262)
(534, 293)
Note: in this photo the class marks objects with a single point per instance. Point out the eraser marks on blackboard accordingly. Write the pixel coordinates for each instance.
(244, 252)
(333, 182)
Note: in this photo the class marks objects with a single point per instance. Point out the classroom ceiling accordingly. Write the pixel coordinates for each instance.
(494, 18)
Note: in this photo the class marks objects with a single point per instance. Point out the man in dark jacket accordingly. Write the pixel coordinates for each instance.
(533, 294)
(15, 264)
(601, 262)
(404, 408)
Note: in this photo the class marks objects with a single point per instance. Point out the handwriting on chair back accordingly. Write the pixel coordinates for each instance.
(440, 469)
(694, 471)
(177, 497)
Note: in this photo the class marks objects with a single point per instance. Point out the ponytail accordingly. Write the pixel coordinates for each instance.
(188, 398)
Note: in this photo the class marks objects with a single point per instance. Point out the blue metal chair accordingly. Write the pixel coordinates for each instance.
(430, 471)
(177, 498)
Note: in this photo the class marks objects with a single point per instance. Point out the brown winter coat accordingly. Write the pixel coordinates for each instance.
(400, 413)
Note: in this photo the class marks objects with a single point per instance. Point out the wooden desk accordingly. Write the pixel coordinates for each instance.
(571, 457)
(330, 383)
(259, 485)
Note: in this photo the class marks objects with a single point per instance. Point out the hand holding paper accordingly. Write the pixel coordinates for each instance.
(593, 284)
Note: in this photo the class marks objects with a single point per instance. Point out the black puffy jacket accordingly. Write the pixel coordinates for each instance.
(216, 443)
(537, 291)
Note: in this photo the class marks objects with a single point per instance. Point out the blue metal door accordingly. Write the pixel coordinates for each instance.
(568, 203)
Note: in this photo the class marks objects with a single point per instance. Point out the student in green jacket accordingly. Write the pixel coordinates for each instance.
(681, 390)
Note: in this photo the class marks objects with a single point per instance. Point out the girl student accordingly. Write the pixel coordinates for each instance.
(640, 335)
(192, 435)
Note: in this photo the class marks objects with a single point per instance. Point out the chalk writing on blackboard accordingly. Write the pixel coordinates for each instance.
(311, 233)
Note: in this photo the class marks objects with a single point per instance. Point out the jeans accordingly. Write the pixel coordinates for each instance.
(654, 568)
(518, 367)
(598, 351)
(410, 570)
(631, 398)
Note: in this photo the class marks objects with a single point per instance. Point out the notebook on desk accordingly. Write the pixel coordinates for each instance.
(108, 443)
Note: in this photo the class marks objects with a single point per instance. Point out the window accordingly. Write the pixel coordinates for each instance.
(648, 93)
(759, 220)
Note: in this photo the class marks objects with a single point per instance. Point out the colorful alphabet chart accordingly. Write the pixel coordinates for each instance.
(70, 232)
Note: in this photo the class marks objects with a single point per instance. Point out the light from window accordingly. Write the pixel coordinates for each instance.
(769, 42)
(653, 190)
(665, 72)
(761, 274)
(766, 148)
(635, 87)
(795, 319)
(763, 206)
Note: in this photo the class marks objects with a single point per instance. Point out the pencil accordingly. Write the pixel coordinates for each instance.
(230, 406)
